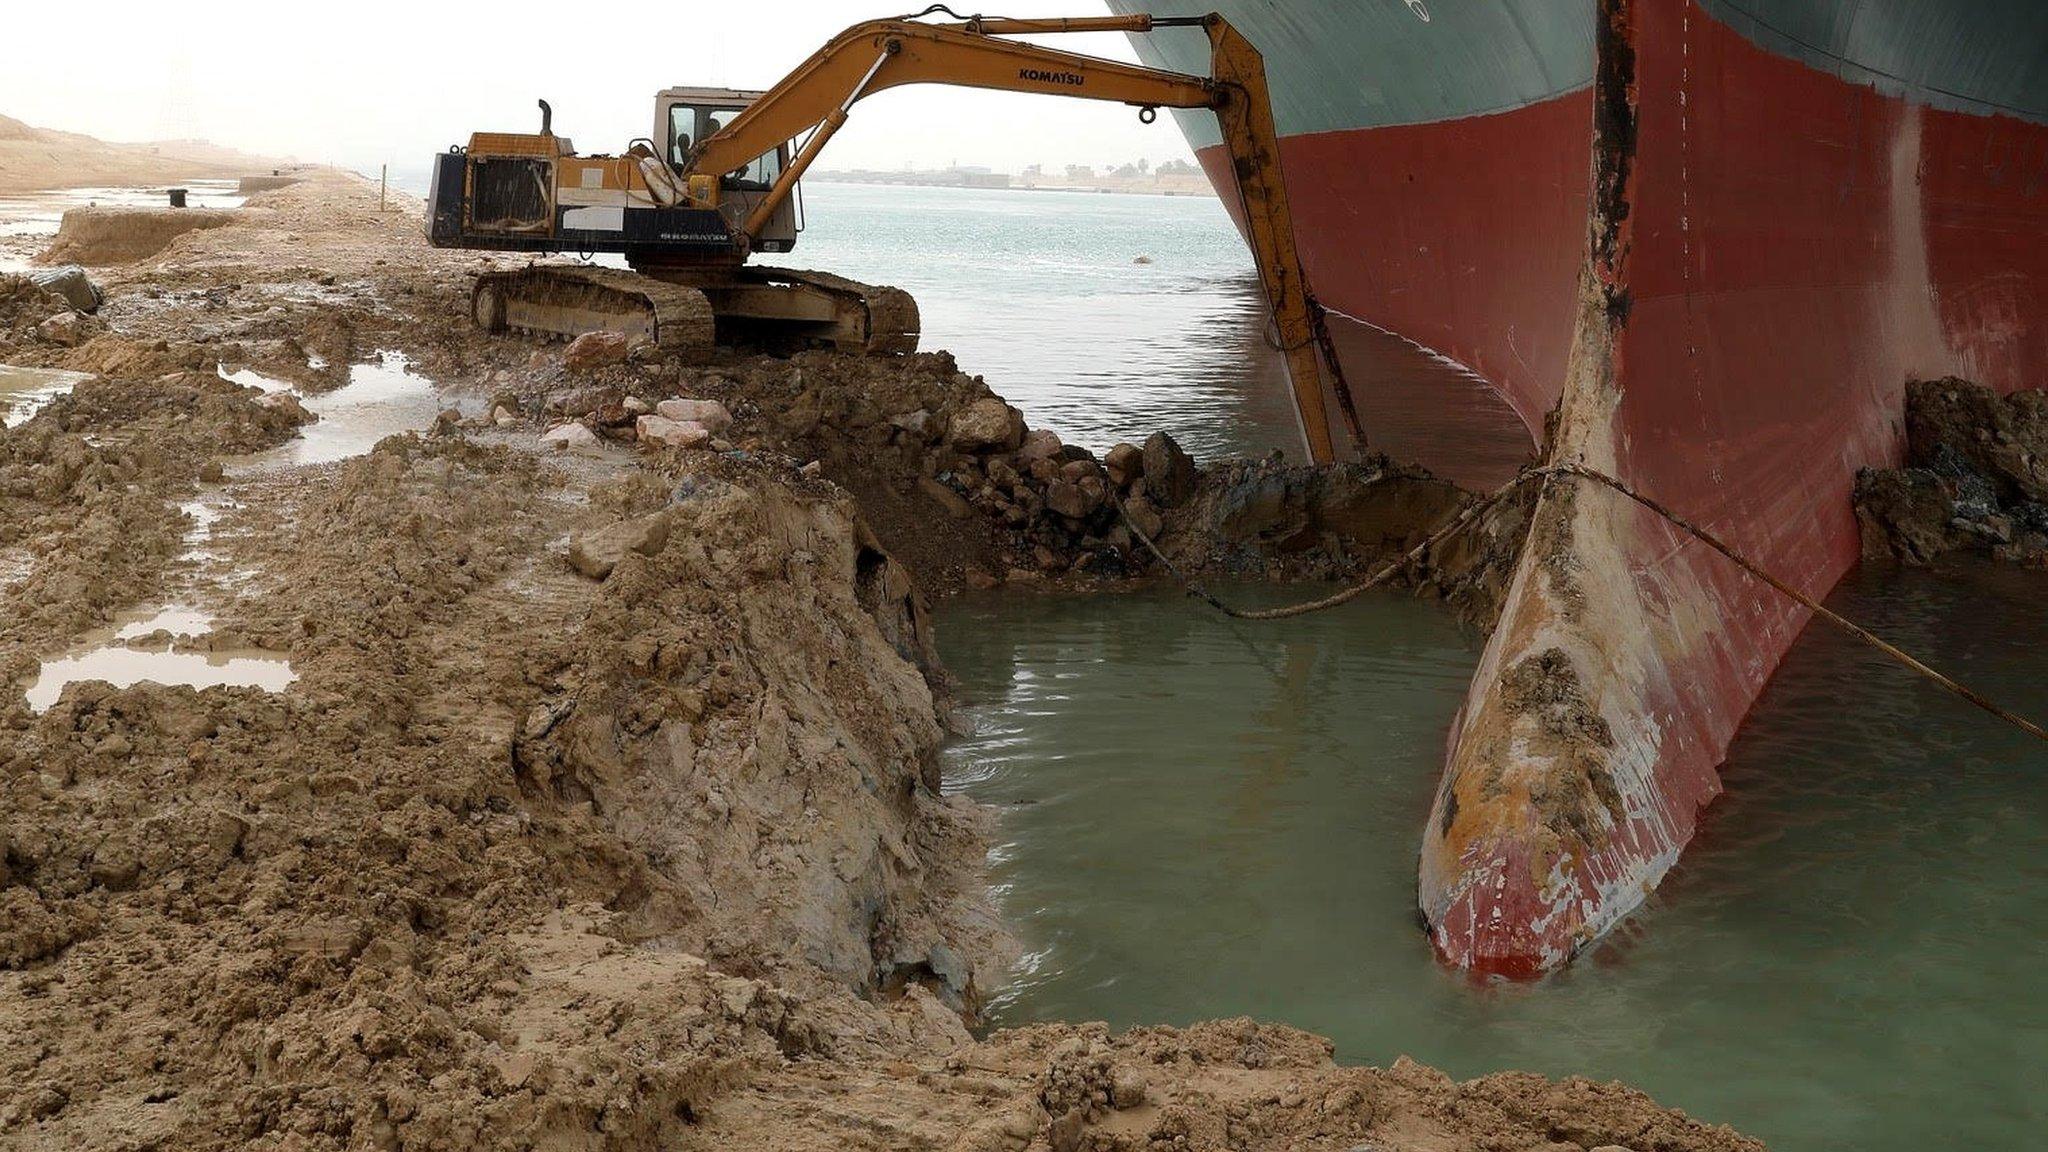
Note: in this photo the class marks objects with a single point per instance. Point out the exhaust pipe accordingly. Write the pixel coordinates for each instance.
(547, 119)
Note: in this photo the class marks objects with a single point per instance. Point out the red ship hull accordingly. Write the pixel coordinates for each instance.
(1724, 315)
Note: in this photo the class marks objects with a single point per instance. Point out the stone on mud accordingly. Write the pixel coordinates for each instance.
(597, 552)
(65, 328)
(669, 433)
(709, 413)
(986, 425)
(70, 282)
(594, 350)
(572, 438)
(1170, 475)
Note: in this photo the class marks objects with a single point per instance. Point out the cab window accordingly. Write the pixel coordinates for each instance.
(682, 132)
(689, 126)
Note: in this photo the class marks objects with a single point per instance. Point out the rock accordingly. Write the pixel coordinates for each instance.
(1085, 468)
(70, 282)
(594, 350)
(955, 504)
(1064, 1133)
(917, 424)
(977, 578)
(1076, 500)
(1124, 463)
(1170, 476)
(212, 472)
(669, 433)
(1139, 511)
(636, 406)
(708, 413)
(813, 469)
(1003, 476)
(447, 421)
(65, 328)
(588, 400)
(572, 438)
(1127, 1088)
(596, 553)
(504, 417)
(1039, 444)
(987, 425)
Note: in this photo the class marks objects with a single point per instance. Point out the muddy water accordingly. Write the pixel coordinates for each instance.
(382, 397)
(1202, 818)
(23, 391)
(131, 652)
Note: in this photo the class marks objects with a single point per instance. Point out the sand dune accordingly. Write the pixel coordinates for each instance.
(34, 158)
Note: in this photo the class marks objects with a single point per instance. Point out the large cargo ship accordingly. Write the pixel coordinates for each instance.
(1701, 245)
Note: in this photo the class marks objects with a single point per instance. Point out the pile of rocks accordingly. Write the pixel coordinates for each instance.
(583, 420)
(1975, 480)
(1060, 495)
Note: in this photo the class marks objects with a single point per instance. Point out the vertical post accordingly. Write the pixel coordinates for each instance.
(383, 182)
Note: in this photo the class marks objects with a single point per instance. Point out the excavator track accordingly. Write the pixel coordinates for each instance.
(891, 320)
(571, 299)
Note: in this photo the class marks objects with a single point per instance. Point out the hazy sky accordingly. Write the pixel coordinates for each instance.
(359, 82)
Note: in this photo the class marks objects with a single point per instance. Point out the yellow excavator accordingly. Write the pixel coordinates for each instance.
(715, 182)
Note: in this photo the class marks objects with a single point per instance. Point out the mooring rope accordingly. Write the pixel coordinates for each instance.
(1472, 510)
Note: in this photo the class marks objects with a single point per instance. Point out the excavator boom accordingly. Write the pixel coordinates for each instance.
(688, 220)
(880, 54)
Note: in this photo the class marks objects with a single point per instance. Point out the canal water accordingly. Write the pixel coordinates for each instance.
(1202, 817)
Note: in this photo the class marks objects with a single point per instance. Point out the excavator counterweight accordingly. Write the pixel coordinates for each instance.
(715, 183)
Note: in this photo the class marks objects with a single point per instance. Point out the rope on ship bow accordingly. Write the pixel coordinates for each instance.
(1580, 471)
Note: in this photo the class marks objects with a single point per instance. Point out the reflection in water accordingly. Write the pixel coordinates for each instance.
(1203, 817)
(382, 397)
(125, 667)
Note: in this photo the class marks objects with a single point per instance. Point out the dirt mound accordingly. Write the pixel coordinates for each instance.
(100, 236)
(1975, 480)
(920, 443)
(24, 304)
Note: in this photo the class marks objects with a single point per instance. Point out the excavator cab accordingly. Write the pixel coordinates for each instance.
(686, 117)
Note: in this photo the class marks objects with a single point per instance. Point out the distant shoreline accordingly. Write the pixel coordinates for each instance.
(1183, 192)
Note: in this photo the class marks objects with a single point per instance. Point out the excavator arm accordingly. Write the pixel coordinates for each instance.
(879, 54)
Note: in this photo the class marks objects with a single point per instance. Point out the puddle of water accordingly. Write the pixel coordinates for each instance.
(250, 378)
(125, 667)
(382, 397)
(174, 619)
(24, 391)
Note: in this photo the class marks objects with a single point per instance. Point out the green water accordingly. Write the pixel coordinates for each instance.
(1202, 817)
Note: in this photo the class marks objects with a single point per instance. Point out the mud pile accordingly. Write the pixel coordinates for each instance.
(920, 443)
(1975, 479)
(118, 235)
(604, 809)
